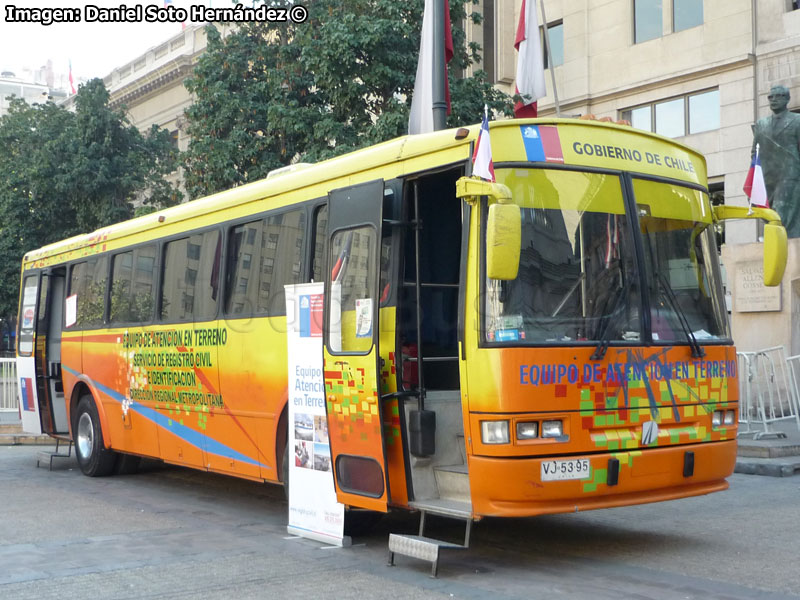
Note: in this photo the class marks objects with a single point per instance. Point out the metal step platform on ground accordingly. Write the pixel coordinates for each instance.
(425, 548)
(47, 456)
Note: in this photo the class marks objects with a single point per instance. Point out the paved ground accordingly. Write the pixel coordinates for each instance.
(175, 533)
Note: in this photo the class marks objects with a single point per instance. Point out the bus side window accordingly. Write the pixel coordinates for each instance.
(88, 283)
(281, 259)
(133, 285)
(263, 256)
(241, 245)
(191, 278)
(320, 229)
(27, 314)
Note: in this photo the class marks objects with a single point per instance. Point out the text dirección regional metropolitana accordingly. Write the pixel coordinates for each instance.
(152, 13)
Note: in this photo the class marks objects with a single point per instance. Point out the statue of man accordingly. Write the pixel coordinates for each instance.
(778, 138)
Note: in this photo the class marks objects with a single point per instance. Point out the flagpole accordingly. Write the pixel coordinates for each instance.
(550, 60)
(439, 101)
(750, 195)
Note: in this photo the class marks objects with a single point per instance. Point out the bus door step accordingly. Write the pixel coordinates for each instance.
(426, 548)
(47, 456)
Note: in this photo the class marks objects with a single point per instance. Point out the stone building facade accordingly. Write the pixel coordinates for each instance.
(695, 70)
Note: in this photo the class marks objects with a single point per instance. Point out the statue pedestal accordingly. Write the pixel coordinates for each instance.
(763, 317)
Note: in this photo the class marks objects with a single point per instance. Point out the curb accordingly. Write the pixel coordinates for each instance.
(769, 467)
(13, 439)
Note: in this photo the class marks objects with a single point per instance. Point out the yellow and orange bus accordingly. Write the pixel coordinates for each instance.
(555, 341)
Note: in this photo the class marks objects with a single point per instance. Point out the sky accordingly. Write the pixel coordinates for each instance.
(95, 49)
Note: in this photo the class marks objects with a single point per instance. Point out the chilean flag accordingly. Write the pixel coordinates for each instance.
(754, 187)
(482, 164)
(530, 62)
(420, 119)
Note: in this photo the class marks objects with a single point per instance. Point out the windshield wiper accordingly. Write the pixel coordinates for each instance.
(604, 328)
(697, 349)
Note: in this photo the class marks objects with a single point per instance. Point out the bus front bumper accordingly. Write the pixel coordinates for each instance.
(515, 487)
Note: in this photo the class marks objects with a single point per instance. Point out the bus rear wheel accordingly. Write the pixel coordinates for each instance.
(93, 457)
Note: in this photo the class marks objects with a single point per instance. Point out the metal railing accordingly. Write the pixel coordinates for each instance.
(9, 396)
(746, 408)
(768, 391)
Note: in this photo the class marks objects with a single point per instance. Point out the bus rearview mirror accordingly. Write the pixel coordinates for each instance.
(503, 241)
(775, 251)
(775, 240)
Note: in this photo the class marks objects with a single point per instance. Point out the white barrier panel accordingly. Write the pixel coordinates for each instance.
(9, 395)
(747, 411)
(768, 390)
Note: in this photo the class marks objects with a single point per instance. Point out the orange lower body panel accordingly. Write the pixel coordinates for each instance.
(504, 487)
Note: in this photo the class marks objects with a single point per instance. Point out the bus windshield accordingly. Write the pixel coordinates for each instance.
(578, 280)
(680, 262)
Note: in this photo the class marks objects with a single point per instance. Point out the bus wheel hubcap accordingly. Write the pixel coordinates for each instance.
(85, 435)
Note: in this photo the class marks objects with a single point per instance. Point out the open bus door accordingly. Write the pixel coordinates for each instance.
(39, 364)
(351, 328)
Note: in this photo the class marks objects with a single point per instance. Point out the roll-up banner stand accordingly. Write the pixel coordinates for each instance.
(313, 510)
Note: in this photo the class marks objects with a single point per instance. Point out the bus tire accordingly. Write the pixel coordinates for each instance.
(285, 469)
(93, 457)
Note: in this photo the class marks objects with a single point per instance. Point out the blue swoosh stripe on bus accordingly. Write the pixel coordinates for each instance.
(185, 433)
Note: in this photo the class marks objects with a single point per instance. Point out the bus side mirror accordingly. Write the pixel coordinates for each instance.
(503, 241)
(775, 241)
(503, 227)
(775, 251)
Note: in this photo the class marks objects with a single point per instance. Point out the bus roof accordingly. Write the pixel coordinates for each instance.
(410, 154)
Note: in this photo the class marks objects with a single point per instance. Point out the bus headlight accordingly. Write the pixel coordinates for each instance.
(730, 417)
(527, 430)
(716, 418)
(494, 432)
(551, 429)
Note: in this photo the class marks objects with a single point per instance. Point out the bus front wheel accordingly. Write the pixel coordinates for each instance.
(93, 457)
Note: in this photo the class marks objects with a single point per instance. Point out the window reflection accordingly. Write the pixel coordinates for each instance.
(704, 112)
(686, 14)
(647, 20)
(670, 118)
(641, 118)
(555, 34)
(692, 113)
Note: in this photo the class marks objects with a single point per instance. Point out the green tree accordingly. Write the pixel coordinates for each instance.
(269, 94)
(62, 173)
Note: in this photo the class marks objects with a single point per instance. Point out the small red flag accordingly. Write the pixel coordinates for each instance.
(530, 62)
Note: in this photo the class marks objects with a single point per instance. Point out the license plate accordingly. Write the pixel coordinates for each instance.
(557, 470)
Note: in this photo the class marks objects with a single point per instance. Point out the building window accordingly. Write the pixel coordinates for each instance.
(671, 118)
(686, 14)
(676, 117)
(640, 118)
(488, 40)
(555, 35)
(647, 20)
(704, 112)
